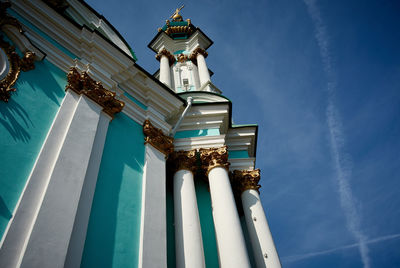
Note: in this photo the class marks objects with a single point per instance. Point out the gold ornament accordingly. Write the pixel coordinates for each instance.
(243, 180)
(157, 139)
(84, 84)
(214, 157)
(176, 16)
(182, 160)
(16, 66)
(195, 52)
(164, 52)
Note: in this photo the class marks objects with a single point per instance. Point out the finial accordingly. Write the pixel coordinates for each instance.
(176, 16)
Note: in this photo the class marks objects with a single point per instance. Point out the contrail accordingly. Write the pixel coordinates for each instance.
(329, 251)
(337, 142)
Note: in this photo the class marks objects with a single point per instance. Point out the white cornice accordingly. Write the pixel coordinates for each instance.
(187, 144)
(242, 138)
(241, 163)
(197, 39)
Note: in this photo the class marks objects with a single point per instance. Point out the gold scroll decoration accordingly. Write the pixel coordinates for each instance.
(17, 65)
(195, 52)
(157, 138)
(182, 160)
(84, 84)
(243, 180)
(214, 157)
(164, 52)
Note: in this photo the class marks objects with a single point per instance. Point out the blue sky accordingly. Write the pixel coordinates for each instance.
(322, 80)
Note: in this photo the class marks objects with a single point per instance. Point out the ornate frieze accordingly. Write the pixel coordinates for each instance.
(214, 157)
(182, 160)
(84, 84)
(243, 180)
(157, 138)
(15, 66)
(166, 53)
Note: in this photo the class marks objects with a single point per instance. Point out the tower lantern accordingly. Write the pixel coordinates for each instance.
(182, 51)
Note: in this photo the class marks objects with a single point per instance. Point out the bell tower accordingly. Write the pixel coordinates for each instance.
(182, 51)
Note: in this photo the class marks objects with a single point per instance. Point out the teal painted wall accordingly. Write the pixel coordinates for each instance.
(171, 262)
(238, 154)
(114, 226)
(207, 223)
(24, 123)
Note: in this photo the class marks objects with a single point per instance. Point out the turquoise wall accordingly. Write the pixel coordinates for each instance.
(207, 223)
(238, 154)
(24, 123)
(114, 226)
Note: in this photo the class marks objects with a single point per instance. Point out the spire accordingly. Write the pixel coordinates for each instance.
(176, 16)
(178, 28)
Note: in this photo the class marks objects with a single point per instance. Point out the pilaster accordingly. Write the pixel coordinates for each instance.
(153, 230)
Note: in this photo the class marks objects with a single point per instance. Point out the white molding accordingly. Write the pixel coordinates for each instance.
(188, 144)
(20, 40)
(241, 163)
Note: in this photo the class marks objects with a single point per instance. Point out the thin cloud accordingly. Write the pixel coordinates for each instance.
(295, 258)
(337, 141)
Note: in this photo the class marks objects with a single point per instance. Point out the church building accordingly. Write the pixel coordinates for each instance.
(106, 165)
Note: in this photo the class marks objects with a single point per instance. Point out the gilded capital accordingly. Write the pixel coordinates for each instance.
(157, 138)
(243, 180)
(179, 160)
(16, 65)
(84, 84)
(214, 157)
(196, 52)
(166, 53)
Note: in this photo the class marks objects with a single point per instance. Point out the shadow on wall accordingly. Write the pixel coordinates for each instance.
(4, 211)
(28, 101)
(114, 227)
(15, 120)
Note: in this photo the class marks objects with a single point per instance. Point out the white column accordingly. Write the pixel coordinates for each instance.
(165, 72)
(232, 250)
(153, 227)
(204, 75)
(188, 240)
(264, 250)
